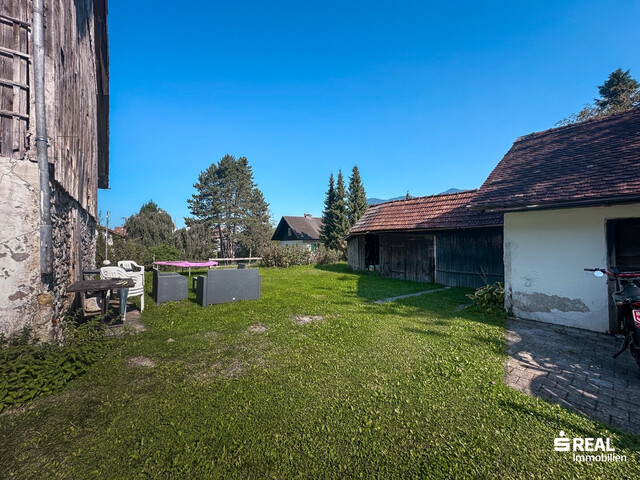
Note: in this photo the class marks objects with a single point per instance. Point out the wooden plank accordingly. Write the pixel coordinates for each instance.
(10, 114)
(11, 83)
(11, 20)
(10, 52)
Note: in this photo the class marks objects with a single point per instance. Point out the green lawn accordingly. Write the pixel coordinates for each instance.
(407, 389)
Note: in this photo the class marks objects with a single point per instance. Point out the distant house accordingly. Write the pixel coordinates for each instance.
(435, 238)
(299, 231)
(571, 200)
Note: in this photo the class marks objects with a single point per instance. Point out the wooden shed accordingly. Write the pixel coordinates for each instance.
(429, 239)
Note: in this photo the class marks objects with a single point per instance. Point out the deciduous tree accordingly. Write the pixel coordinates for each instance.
(150, 226)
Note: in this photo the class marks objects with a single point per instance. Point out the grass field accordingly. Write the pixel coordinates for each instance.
(406, 389)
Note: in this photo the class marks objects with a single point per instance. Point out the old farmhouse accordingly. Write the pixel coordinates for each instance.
(429, 239)
(303, 231)
(571, 200)
(54, 153)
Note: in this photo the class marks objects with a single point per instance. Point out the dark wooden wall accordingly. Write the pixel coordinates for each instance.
(15, 58)
(407, 256)
(469, 258)
(355, 252)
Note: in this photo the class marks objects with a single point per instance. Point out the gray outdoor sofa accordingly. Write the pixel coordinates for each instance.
(168, 287)
(222, 286)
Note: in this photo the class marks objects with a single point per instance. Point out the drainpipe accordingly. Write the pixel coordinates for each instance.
(46, 236)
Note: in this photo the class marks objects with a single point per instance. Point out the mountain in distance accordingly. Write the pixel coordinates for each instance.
(375, 201)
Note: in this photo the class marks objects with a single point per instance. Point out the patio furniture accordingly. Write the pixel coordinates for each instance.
(131, 265)
(184, 264)
(168, 287)
(107, 273)
(222, 286)
(101, 287)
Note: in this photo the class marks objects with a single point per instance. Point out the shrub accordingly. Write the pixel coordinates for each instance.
(324, 256)
(29, 369)
(283, 256)
(489, 296)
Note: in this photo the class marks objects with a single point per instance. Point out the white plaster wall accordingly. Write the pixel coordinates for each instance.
(19, 245)
(545, 253)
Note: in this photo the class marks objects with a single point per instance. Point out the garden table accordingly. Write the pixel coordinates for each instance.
(188, 265)
(102, 287)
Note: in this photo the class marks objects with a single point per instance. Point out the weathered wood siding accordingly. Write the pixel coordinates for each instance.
(407, 256)
(355, 252)
(75, 72)
(14, 78)
(469, 258)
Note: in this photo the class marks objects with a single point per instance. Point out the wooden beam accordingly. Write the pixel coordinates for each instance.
(8, 19)
(11, 83)
(8, 51)
(9, 113)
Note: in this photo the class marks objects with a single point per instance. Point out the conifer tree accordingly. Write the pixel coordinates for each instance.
(357, 198)
(340, 218)
(326, 233)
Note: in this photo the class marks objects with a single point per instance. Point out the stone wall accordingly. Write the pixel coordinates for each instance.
(73, 245)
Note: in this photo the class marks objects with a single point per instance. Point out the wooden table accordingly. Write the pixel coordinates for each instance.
(102, 287)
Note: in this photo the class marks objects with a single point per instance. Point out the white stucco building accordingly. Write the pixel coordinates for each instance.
(571, 200)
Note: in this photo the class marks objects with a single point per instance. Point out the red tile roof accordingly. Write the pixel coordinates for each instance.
(594, 162)
(436, 212)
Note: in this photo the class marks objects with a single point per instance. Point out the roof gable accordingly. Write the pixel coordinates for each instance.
(435, 212)
(302, 228)
(594, 162)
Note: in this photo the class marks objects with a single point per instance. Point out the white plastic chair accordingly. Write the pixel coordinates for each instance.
(136, 290)
(131, 265)
(138, 277)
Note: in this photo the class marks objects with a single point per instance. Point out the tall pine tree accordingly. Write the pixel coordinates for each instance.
(340, 219)
(228, 199)
(326, 233)
(356, 198)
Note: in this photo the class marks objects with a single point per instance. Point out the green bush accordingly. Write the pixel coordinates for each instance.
(324, 256)
(29, 369)
(283, 256)
(489, 296)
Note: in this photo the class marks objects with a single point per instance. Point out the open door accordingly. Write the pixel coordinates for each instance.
(623, 253)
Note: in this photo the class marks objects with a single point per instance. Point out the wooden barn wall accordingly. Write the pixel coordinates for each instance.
(14, 78)
(469, 258)
(355, 253)
(72, 74)
(407, 256)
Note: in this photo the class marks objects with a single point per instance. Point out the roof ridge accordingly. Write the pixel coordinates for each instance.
(603, 118)
(399, 200)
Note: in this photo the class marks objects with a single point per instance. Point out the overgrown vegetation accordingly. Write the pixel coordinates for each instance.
(284, 256)
(619, 93)
(408, 389)
(489, 296)
(29, 369)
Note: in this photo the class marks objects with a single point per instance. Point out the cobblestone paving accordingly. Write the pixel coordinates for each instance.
(576, 369)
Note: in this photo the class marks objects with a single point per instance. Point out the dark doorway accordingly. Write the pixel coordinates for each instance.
(371, 250)
(623, 253)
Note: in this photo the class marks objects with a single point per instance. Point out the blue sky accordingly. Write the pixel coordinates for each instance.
(421, 97)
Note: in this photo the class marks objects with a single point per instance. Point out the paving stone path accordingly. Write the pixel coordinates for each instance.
(575, 368)
(393, 299)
